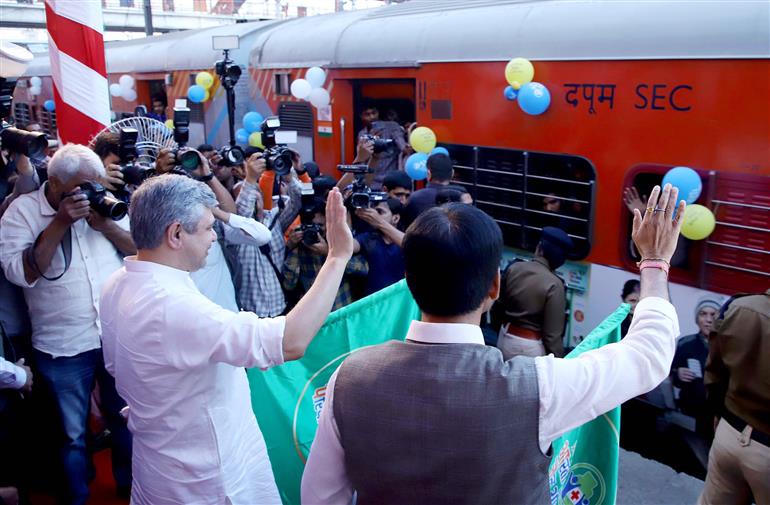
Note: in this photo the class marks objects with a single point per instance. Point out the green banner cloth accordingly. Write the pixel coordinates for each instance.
(584, 469)
(287, 400)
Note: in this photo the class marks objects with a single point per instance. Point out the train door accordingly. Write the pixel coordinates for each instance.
(393, 99)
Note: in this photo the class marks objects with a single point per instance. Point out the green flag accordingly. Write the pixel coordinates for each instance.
(287, 400)
(584, 469)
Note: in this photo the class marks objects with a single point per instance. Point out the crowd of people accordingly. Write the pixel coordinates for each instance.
(156, 314)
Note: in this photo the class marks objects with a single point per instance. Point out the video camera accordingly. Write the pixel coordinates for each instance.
(311, 231)
(362, 196)
(102, 203)
(14, 140)
(277, 156)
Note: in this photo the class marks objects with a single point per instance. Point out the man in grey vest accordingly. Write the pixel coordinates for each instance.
(441, 418)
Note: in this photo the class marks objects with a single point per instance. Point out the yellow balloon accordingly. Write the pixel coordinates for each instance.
(422, 139)
(698, 222)
(204, 80)
(169, 124)
(206, 96)
(519, 71)
(255, 140)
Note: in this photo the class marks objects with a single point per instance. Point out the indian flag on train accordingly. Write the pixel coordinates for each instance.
(287, 400)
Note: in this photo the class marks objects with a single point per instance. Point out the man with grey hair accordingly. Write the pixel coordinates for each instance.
(61, 252)
(178, 358)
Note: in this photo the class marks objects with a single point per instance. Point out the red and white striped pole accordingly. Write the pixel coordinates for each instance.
(76, 49)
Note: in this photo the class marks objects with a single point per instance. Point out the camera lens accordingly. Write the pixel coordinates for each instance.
(189, 160)
(30, 144)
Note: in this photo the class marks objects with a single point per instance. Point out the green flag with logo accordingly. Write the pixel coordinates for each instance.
(584, 469)
(287, 400)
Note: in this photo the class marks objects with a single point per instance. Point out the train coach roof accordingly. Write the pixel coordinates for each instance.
(183, 50)
(422, 31)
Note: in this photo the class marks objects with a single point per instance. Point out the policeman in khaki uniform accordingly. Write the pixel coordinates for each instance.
(534, 300)
(738, 387)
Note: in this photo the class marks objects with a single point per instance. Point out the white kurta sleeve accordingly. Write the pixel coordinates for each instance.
(325, 480)
(575, 391)
(200, 332)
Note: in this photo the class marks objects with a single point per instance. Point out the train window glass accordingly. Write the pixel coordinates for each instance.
(281, 84)
(527, 191)
(21, 113)
(48, 121)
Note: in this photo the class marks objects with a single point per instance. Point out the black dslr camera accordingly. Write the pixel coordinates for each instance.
(362, 196)
(102, 203)
(311, 231)
(30, 144)
(188, 160)
(278, 157)
(134, 173)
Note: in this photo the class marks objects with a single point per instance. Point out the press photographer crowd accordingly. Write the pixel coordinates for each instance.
(138, 284)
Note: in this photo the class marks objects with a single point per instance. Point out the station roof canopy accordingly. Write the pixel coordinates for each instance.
(423, 31)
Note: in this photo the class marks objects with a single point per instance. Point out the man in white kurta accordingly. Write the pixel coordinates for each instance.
(178, 358)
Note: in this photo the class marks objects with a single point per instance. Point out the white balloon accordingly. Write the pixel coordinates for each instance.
(35, 90)
(315, 76)
(300, 88)
(126, 81)
(129, 95)
(115, 89)
(35, 82)
(319, 97)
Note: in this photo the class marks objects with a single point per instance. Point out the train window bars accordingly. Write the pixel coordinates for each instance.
(525, 191)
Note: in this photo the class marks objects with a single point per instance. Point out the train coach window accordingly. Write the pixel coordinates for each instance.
(735, 255)
(526, 191)
(21, 113)
(281, 84)
(48, 121)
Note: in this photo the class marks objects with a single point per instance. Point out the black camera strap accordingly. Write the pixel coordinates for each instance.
(66, 249)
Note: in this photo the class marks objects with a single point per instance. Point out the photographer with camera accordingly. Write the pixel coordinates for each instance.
(107, 147)
(382, 246)
(258, 276)
(60, 244)
(380, 144)
(308, 250)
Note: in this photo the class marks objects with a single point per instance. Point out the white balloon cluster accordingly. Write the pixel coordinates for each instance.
(311, 88)
(124, 88)
(35, 84)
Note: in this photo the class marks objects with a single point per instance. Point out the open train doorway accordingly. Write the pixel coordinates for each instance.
(391, 100)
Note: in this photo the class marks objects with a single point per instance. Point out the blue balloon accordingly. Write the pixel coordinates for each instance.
(438, 150)
(252, 121)
(687, 181)
(534, 98)
(417, 166)
(242, 136)
(196, 93)
(49, 105)
(510, 93)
